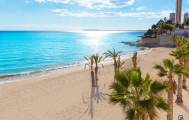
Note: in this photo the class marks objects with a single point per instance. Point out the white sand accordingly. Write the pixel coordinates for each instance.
(64, 94)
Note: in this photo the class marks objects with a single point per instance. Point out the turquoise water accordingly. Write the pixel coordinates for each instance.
(32, 51)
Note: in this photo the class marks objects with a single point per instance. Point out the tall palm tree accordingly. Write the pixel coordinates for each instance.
(120, 63)
(179, 54)
(134, 59)
(139, 97)
(90, 63)
(186, 68)
(168, 69)
(115, 56)
(97, 61)
(185, 48)
(183, 44)
(93, 62)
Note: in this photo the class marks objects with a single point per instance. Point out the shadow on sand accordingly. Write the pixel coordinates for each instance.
(95, 97)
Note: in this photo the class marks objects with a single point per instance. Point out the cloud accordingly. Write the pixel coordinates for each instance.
(140, 8)
(65, 12)
(93, 4)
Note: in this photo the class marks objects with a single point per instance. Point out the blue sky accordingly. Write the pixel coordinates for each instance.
(84, 14)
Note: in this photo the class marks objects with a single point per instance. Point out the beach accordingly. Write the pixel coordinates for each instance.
(65, 94)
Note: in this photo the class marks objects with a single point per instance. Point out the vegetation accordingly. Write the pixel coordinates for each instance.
(162, 26)
(168, 69)
(178, 54)
(134, 60)
(183, 49)
(97, 60)
(90, 63)
(115, 55)
(93, 61)
(139, 97)
(120, 63)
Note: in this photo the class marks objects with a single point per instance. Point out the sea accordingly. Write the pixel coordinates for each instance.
(23, 52)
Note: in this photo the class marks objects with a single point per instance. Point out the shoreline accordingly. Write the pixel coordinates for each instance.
(7, 78)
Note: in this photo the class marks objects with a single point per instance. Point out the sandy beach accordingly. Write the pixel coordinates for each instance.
(64, 94)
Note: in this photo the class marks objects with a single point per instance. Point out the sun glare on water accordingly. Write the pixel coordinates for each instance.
(95, 38)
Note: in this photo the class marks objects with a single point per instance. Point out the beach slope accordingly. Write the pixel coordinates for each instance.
(64, 94)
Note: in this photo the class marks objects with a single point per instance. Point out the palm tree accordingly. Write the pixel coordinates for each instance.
(90, 63)
(134, 59)
(183, 44)
(186, 75)
(179, 54)
(97, 59)
(168, 69)
(185, 48)
(115, 56)
(93, 62)
(120, 63)
(139, 97)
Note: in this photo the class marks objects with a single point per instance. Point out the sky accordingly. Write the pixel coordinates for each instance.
(84, 14)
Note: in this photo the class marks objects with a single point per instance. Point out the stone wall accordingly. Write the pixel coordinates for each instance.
(159, 41)
(166, 40)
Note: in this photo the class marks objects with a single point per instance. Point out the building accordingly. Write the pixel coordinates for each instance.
(172, 17)
(186, 17)
(178, 11)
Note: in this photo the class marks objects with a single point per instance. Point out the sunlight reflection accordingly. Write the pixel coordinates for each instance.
(95, 38)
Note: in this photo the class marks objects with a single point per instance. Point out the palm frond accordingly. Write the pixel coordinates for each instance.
(135, 78)
(117, 88)
(178, 69)
(138, 96)
(168, 63)
(162, 104)
(121, 78)
(131, 114)
(161, 70)
(157, 87)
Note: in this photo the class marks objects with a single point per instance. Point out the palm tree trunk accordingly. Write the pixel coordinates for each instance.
(184, 86)
(170, 98)
(96, 74)
(93, 86)
(179, 91)
(97, 86)
(170, 102)
(92, 74)
(93, 79)
(115, 66)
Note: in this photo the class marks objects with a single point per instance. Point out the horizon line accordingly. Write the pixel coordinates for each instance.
(31, 30)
